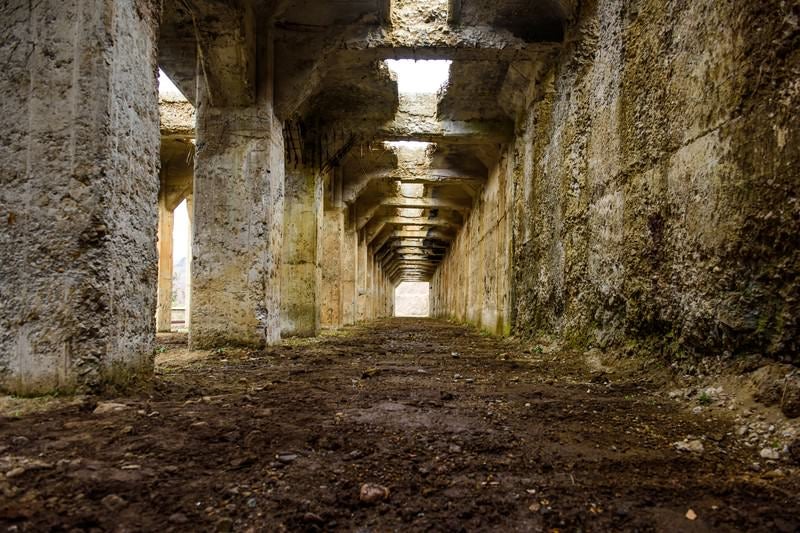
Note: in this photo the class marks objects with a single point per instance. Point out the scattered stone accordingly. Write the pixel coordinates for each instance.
(455, 355)
(794, 450)
(769, 453)
(697, 410)
(693, 446)
(286, 458)
(224, 525)
(15, 472)
(311, 518)
(178, 518)
(454, 448)
(373, 493)
(19, 440)
(691, 515)
(535, 507)
(113, 503)
(104, 408)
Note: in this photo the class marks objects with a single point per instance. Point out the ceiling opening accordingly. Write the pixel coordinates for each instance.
(420, 77)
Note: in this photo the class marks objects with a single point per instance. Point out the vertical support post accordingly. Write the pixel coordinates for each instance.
(79, 197)
(166, 224)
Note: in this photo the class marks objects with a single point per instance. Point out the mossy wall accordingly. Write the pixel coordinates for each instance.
(657, 180)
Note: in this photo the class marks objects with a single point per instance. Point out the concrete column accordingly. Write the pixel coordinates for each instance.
(361, 280)
(79, 143)
(349, 269)
(166, 224)
(302, 249)
(238, 225)
(188, 313)
(332, 293)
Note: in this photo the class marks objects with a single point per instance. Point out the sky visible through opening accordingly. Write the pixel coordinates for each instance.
(412, 299)
(166, 88)
(419, 77)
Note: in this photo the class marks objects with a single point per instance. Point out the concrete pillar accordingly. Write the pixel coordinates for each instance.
(188, 312)
(238, 188)
(349, 269)
(238, 227)
(166, 224)
(79, 145)
(331, 260)
(302, 249)
(361, 279)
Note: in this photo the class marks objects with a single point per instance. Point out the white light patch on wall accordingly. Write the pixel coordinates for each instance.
(419, 77)
(408, 146)
(412, 299)
(167, 89)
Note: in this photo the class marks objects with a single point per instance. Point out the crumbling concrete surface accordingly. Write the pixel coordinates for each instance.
(78, 195)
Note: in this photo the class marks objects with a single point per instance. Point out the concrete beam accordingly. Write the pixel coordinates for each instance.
(437, 176)
(226, 51)
(422, 235)
(382, 222)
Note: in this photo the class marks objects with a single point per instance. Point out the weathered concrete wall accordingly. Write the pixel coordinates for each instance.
(472, 283)
(657, 184)
(238, 227)
(302, 251)
(79, 143)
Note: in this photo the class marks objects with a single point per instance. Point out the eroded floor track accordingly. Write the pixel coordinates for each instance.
(468, 432)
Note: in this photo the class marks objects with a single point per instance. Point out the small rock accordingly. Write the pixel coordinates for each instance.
(112, 502)
(104, 408)
(697, 410)
(769, 453)
(691, 515)
(794, 450)
(178, 518)
(15, 472)
(373, 493)
(19, 440)
(694, 446)
(454, 448)
(224, 525)
(455, 355)
(286, 458)
(535, 507)
(312, 518)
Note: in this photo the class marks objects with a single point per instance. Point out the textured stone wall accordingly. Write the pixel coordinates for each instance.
(472, 284)
(653, 187)
(79, 143)
(657, 184)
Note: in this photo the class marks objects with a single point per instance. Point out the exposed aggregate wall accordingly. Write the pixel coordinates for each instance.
(656, 172)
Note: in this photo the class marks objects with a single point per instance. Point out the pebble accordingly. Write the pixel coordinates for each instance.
(691, 515)
(15, 472)
(535, 507)
(769, 453)
(178, 518)
(694, 446)
(19, 440)
(104, 408)
(112, 502)
(286, 457)
(373, 493)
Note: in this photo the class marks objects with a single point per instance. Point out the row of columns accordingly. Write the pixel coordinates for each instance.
(80, 202)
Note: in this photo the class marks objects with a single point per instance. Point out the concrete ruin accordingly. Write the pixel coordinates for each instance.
(620, 174)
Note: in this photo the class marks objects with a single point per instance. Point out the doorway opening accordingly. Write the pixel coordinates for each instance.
(412, 299)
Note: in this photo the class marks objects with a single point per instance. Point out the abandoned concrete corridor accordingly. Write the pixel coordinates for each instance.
(467, 432)
(209, 210)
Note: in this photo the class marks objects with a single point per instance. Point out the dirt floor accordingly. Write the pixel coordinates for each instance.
(467, 433)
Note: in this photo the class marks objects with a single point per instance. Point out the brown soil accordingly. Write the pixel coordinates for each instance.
(498, 437)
